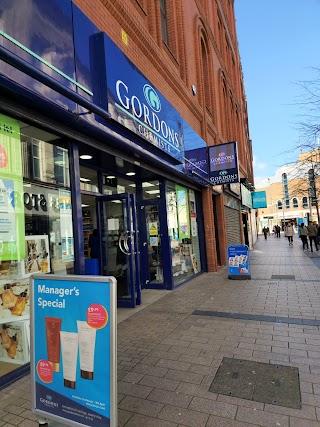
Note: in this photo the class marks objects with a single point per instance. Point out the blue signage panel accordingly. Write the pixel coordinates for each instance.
(41, 33)
(197, 160)
(196, 154)
(136, 104)
(259, 199)
(73, 354)
(223, 163)
(302, 221)
(238, 261)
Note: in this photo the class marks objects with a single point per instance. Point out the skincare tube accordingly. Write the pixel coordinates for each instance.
(87, 341)
(53, 326)
(69, 349)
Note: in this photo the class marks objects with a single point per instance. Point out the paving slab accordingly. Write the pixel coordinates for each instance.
(168, 357)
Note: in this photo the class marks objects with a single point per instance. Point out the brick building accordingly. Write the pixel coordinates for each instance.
(107, 111)
(189, 51)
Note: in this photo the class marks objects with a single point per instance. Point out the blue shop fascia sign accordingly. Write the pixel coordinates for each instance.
(134, 103)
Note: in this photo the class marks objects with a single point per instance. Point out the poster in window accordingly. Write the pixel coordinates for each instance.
(37, 258)
(12, 225)
(14, 301)
(67, 249)
(153, 229)
(66, 225)
(183, 212)
(194, 264)
(14, 343)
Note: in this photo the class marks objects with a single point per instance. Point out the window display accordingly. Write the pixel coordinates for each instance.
(35, 227)
(183, 232)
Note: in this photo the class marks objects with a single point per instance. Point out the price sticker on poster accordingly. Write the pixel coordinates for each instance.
(238, 259)
(73, 349)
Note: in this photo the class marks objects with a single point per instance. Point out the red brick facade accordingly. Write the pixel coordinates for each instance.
(201, 50)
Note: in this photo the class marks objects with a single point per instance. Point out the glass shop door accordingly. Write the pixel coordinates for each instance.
(119, 245)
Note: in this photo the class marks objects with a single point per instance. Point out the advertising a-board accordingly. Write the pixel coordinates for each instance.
(238, 258)
(73, 349)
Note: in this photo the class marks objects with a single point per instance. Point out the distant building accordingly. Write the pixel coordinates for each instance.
(291, 196)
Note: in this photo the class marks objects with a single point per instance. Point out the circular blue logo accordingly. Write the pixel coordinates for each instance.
(152, 98)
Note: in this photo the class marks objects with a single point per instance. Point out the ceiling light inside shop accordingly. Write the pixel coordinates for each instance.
(116, 201)
(130, 173)
(85, 157)
(85, 180)
(110, 177)
(84, 206)
(147, 184)
(153, 191)
(132, 185)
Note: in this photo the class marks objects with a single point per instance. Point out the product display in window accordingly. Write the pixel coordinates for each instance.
(14, 298)
(14, 344)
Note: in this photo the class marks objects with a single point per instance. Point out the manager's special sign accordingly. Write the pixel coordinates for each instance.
(223, 163)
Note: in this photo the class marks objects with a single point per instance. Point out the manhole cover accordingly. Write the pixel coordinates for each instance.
(262, 382)
(283, 276)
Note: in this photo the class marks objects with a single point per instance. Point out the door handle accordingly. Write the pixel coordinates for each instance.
(122, 238)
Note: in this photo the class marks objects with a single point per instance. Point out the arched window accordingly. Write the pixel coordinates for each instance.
(164, 21)
(279, 203)
(295, 202)
(305, 202)
(206, 77)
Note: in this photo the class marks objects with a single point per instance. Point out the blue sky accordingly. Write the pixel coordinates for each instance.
(279, 40)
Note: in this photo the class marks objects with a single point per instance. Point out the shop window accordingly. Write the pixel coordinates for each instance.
(305, 203)
(114, 185)
(183, 232)
(279, 203)
(295, 202)
(44, 162)
(36, 230)
(88, 180)
(287, 202)
(151, 190)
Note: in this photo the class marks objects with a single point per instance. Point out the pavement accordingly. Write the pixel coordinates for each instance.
(168, 357)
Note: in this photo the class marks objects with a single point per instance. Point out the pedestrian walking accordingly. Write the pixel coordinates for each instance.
(318, 236)
(265, 232)
(290, 233)
(304, 236)
(278, 230)
(313, 235)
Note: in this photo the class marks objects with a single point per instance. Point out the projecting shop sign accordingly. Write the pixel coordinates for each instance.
(223, 163)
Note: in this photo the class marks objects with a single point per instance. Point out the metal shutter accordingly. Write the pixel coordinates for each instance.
(233, 226)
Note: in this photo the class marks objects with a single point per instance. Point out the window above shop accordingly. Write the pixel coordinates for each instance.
(41, 159)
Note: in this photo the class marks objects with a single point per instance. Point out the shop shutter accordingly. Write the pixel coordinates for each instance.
(232, 226)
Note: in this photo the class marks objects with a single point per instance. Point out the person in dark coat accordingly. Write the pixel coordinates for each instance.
(265, 232)
(94, 244)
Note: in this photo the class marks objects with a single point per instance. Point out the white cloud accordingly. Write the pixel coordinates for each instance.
(258, 165)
